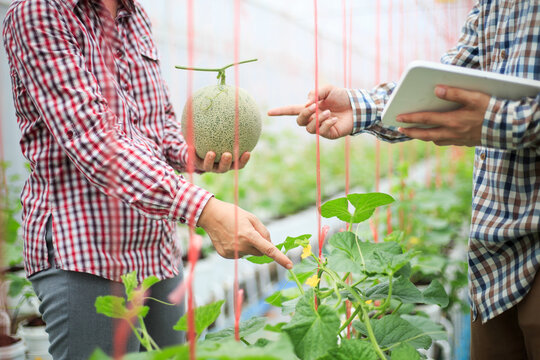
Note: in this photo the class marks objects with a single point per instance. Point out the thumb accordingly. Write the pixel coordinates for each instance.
(322, 94)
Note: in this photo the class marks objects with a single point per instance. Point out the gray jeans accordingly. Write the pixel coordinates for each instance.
(76, 330)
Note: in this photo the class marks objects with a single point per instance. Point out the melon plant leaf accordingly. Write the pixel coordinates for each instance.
(402, 290)
(352, 349)
(275, 299)
(302, 277)
(260, 259)
(204, 317)
(177, 352)
(337, 207)
(148, 282)
(130, 283)
(98, 354)
(352, 255)
(341, 261)
(312, 332)
(16, 284)
(287, 307)
(427, 326)
(288, 244)
(405, 352)
(392, 330)
(275, 328)
(261, 342)
(111, 306)
(365, 204)
(308, 264)
(234, 350)
(435, 294)
(247, 327)
(293, 242)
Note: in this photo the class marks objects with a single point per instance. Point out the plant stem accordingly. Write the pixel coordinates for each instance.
(367, 323)
(359, 281)
(159, 301)
(297, 281)
(371, 335)
(350, 319)
(220, 71)
(386, 303)
(136, 332)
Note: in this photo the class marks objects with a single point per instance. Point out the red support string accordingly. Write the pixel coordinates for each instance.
(113, 179)
(374, 221)
(191, 336)
(347, 55)
(237, 293)
(401, 145)
(317, 130)
(389, 146)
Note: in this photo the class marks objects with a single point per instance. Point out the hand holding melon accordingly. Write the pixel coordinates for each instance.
(213, 115)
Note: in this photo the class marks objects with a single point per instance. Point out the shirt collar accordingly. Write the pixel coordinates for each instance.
(127, 5)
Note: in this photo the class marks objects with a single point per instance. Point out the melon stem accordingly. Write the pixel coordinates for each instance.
(220, 71)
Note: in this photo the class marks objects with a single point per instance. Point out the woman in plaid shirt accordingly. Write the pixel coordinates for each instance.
(97, 126)
(504, 244)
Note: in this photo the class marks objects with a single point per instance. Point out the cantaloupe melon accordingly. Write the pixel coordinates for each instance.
(214, 120)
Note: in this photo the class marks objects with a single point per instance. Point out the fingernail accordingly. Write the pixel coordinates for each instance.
(289, 266)
(440, 91)
(399, 119)
(312, 107)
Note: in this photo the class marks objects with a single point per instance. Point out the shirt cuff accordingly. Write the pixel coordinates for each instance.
(496, 132)
(364, 109)
(189, 203)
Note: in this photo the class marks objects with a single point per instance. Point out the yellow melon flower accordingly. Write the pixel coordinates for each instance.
(313, 281)
(306, 252)
(413, 240)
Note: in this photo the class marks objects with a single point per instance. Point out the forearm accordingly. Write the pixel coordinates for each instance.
(512, 124)
(367, 109)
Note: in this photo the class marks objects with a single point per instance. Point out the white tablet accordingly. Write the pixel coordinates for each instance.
(415, 91)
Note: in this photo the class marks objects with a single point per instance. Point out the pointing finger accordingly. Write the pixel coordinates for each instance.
(286, 110)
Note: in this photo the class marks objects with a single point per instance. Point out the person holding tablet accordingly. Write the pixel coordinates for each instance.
(504, 243)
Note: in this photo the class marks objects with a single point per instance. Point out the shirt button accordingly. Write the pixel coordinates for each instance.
(127, 87)
(119, 53)
(483, 156)
(183, 220)
(135, 121)
(503, 55)
(69, 134)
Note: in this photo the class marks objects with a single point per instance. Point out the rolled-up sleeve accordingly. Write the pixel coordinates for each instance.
(50, 64)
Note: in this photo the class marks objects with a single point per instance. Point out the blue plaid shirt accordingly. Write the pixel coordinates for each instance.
(504, 242)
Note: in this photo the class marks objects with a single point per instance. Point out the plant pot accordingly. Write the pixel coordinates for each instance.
(35, 338)
(11, 348)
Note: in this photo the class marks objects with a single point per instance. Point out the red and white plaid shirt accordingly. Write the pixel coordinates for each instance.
(97, 125)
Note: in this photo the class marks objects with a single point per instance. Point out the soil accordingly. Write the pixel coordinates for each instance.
(6, 340)
(34, 322)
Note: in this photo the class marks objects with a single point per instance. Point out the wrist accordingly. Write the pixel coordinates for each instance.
(208, 213)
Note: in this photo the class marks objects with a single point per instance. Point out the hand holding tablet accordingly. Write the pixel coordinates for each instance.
(416, 90)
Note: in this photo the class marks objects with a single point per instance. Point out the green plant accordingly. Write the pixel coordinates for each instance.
(385, 316)
(10, 208)
(440, 223)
